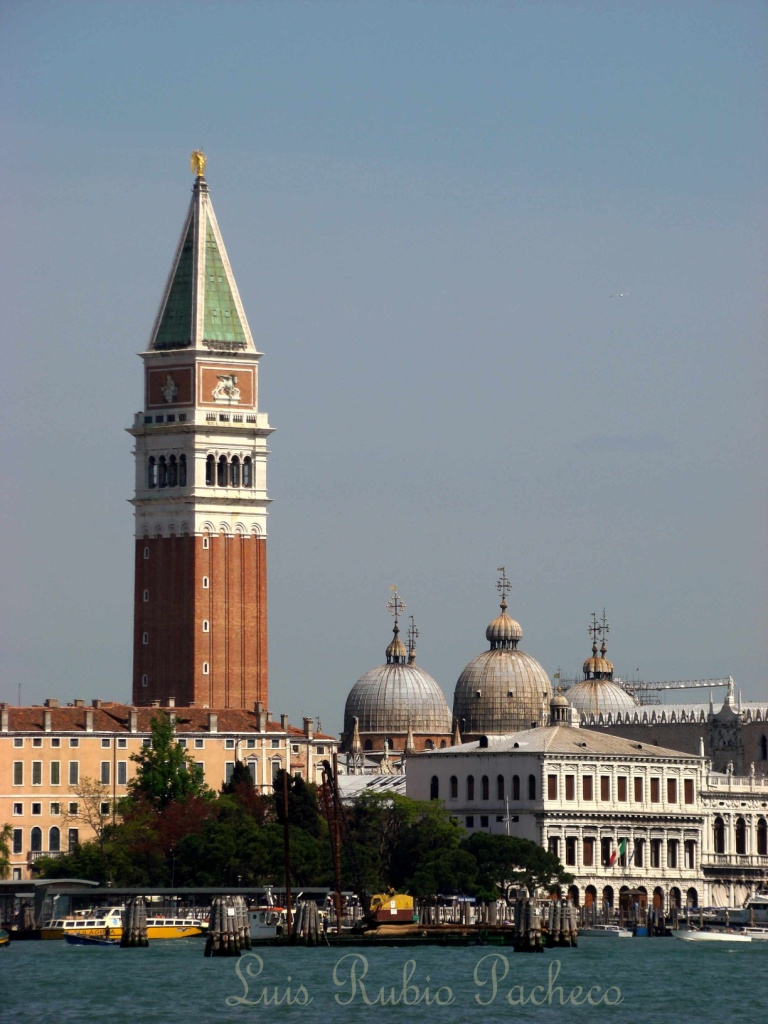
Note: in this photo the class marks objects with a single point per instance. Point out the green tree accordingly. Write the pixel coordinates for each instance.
(303, 812)
(165, 771)
(505, 861)
(6, 835)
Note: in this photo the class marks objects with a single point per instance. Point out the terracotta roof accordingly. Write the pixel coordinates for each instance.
(114, 717)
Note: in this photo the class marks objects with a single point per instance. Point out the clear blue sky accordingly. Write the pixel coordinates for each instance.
(428, 207)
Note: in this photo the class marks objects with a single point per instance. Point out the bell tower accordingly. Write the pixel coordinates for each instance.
(200, 601)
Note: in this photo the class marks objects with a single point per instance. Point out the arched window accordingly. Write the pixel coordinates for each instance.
(368, 745)
(531, 787)
(764, 748)
(719, 829)
(762, 837)
(151, 472)
(234, 472)
(182, 471)
(36, 840)
(173, 472)
(499, 787)
(454, 788)
(210, 470)
(485, 787)
(162, 472)
(434, 788)
(741, 836)
(515, 787)
(470, 787)
(222, 474)
(443, 744)
(247, 472)
(54, 840)
(429, 745)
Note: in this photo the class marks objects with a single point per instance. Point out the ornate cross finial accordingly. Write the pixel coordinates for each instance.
(395, 604)
(594, 630)
(503, 585)
(197, 162)
(604, 627)
(411, 637)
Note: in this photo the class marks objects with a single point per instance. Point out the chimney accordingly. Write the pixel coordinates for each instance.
(154, 703)
(4, 719)
(47, 720)
(308, 728)
(284, 722)
(213, 722)
(78, 702)
(89, 720)
(97, 703)
(172, 718)
(52, 702)
(134, 721)
(262, 716)
(171, 702)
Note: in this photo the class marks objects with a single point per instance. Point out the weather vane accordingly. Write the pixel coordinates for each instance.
(411, 635)
(598, 628)
(197, 162)
(503, 585)
(395, 604)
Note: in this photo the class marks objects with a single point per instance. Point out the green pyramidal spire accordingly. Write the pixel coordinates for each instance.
(201, 306)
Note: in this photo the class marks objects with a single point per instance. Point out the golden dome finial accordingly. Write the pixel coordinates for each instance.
(197, 162)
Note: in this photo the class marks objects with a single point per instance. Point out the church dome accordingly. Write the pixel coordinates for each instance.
(391, 699)
(503, 689)
(598, 694)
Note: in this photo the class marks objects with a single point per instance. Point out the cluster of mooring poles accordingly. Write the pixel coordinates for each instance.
(562, 923)
(134, 923)
(307, 929)
(228, 930)
(527, 925)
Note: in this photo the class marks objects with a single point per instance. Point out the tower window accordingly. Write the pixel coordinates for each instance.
(145, 638)
(146, 552)
(221, 478)
(182, 470)
(206, 625)
(247, 472)
(173, 472)
(144, 680)
(162, 472)
(206, 543)
(234, 472)
(206, 583)
(151, 472)
(206, 668)
(146, 596)
(210, 470)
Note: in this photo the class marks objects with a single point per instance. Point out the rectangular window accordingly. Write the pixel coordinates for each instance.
(122, 743)
(18, 808)
(73, 807)
(146, 741)
(554, 846)
(37, 773)
(55, 808)
(18, 773)
(655, 790)
(690, 854)
(104, 808)
(623, 857)
(199, 744)
(105, 741)
(621, 788)
(73, 839)
(639, 853)
(671, 791)
(483, 821)
(122, 773)
(552, 787)
(182, 742)
(570, 788)
(56, 741)
(605, 787)
(570, 850)
(17, 840)
(74, 741)
(37, 808)
(688, 788)
(655, 853)
(201, 766)
(275, 744)
(229, 767)
(105, 773)
(74, 773)
(252, 743)
(294, 748)
(588, 852)
(320, 751)
(638, 789)
(672, 853)
(605, 850)
(469, 821)
(37, 741)
(55, 773)
(587, 787)
(229, 744)
(18, 741)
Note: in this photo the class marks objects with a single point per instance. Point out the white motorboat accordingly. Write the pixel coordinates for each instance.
(605, 931)
(757, 933)
(691, 935)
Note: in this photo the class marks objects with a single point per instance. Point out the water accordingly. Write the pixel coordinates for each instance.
(650, 980)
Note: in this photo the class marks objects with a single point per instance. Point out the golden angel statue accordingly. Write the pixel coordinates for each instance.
(197, 163)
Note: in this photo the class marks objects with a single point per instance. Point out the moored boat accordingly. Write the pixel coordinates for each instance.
(91, 940)
(5, 938)
(605, 931)
(95, 923)
(691, 935)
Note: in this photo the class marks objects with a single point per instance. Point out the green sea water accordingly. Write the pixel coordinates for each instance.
(653, 981)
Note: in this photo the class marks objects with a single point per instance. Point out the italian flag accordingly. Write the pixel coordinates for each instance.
(618, 853)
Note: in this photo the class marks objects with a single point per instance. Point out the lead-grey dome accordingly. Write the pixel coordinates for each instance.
(503, 689)
(598, 694)
(390, 698)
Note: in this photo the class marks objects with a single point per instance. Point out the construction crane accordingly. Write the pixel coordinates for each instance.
(338, 830)
(643, 690)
